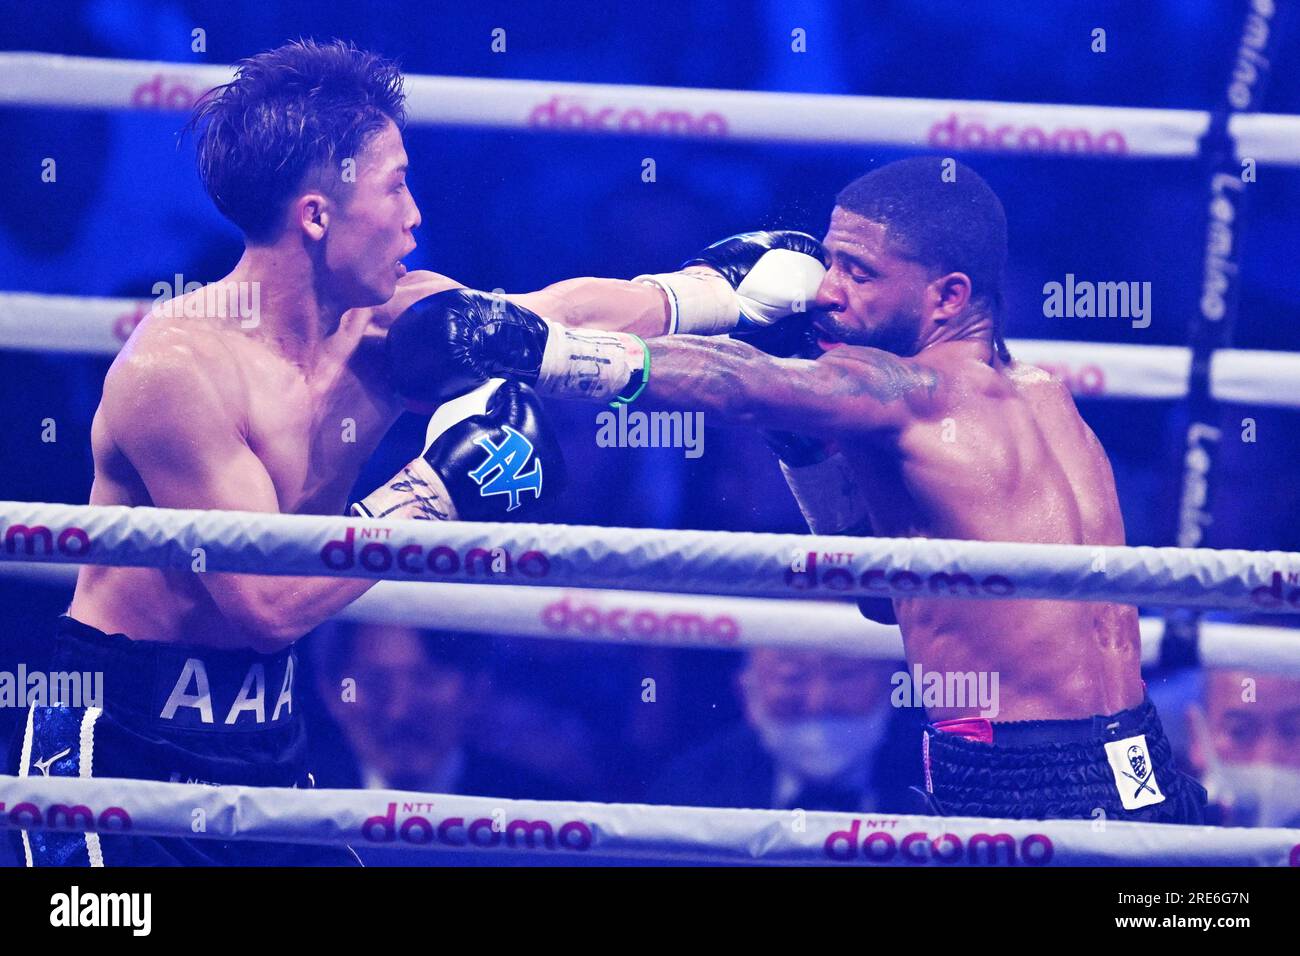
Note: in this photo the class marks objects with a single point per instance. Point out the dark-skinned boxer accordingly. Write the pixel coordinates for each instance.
(939, 433)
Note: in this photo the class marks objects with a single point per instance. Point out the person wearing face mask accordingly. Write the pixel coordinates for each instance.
(1245, 744)
(818, 734)
(914, 421)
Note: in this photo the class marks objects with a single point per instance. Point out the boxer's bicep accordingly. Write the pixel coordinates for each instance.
(189, 450)
(184, 440)
(865, 391)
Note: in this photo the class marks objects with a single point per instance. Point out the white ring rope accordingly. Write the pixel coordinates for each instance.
(566, 832)
(49, 80)
(708, 562)
(619, 558)
(649, 618)
(99, 326)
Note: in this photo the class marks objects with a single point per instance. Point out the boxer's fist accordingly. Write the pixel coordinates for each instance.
(496, 460)
(488, 454)
(453, 341)
(744, 282)
(774, 273)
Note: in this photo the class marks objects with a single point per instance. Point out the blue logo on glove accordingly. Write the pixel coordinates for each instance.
(508, 460)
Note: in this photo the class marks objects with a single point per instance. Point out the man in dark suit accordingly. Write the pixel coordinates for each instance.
(819, 734)
(406, 700)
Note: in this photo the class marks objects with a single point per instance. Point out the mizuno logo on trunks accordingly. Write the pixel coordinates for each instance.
(43, 765)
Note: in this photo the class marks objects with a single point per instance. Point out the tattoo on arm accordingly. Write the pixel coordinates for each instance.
(888, 378)
(699, 373)
(849, 388)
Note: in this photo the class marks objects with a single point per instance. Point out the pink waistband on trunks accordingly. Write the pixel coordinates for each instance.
(978, 729)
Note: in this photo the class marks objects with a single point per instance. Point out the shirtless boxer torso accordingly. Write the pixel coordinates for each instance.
(946, 437)
(999, 453)
(942, 435)
(271, 412)
(950, 442)
(200, 413)
(203, 413)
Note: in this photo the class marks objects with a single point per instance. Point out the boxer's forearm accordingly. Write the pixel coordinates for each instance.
(614, 305)
(739, 384)
(710, 374)
(283, 608)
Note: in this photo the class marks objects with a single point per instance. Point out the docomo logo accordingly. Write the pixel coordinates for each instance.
(174, 95)
(125, 323)
(982, 849)
(673, 626)
(568, 113)
(972, 134)
(1272, 596)
(340, 555)
(60, 816)
(483, 833)
(1084, 380)
(71, 542)
(882, 581)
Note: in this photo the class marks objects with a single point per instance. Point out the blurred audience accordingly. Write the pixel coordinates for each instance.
(818, 733)
(1245, 745)
(406, 701)
(423, 711)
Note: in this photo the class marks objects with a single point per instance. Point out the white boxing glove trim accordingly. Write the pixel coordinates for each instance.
(458, 409)
(828, 494)
(700, 303)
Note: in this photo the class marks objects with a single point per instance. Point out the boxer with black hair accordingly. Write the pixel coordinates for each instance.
(931, 430)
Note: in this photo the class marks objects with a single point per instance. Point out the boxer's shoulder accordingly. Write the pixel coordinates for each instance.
(411, 288)
(163, 346)
(170, 369)
(922, 385)
(1039, 387)
(1025, 376)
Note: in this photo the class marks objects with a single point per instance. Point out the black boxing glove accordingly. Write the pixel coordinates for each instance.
(433, 347)
(768, 276)
(488, 454)
(455, 340)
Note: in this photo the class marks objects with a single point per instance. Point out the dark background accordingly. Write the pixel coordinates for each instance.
(520, 210)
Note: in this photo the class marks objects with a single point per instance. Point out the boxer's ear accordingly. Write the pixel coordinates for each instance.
(949, 295)
(312, 214)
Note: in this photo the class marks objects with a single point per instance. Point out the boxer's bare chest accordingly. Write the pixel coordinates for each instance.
(313, 428)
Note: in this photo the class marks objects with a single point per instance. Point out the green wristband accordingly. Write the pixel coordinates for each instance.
(645, 377)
